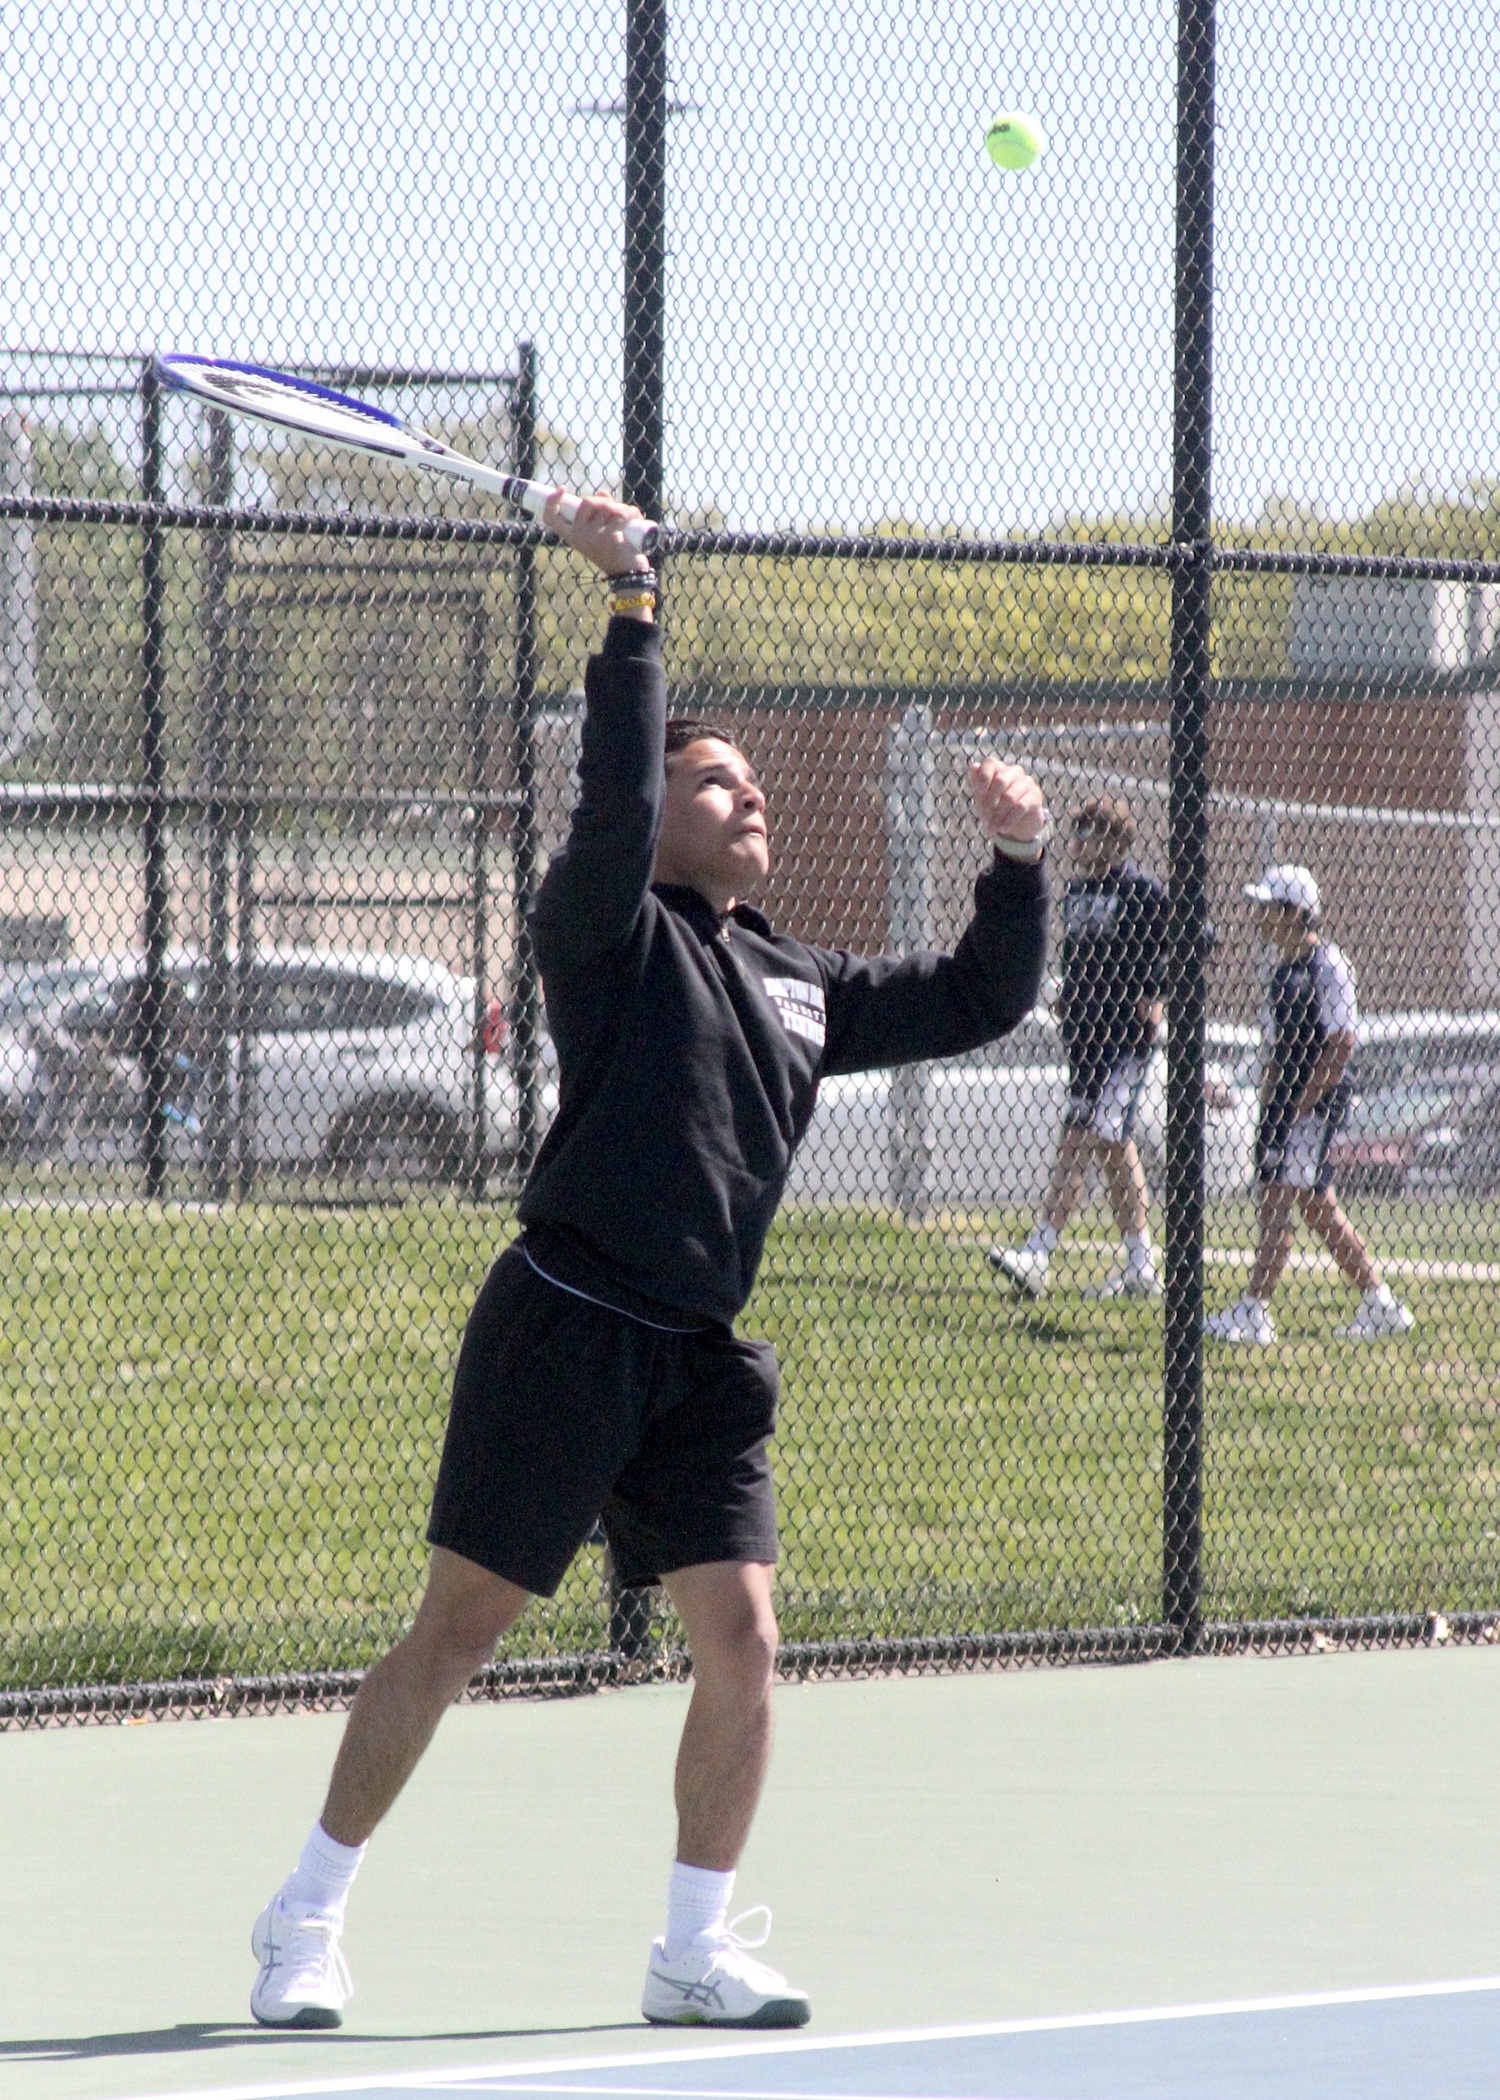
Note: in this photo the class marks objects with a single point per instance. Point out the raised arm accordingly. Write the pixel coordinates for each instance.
(889, 1010)
(595, 886)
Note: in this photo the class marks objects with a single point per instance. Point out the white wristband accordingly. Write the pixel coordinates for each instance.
(1027, 851)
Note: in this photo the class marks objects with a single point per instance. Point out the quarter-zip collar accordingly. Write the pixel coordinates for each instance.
(708, 924)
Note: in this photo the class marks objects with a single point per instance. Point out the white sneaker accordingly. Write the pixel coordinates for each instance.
(1247, 1323)
(1128, 1283)
(1026, 1268)
(718, 1983)
(304, 1979)
(1376, 1323)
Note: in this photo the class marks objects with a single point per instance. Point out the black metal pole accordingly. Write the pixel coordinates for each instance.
(246, 1107)
(1189, 672)
(645, 287)
(217, 817)
(477, 684)
(526, 1014)
(158, 901)
(642, 417)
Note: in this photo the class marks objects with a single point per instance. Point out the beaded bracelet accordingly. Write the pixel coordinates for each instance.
(635, 591)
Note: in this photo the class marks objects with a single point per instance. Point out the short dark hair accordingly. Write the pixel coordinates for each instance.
(683, 730)
(1107, 817)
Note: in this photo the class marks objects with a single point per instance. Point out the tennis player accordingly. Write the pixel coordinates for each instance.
(1304, 1097)
(600, 1374)
(1114, 962)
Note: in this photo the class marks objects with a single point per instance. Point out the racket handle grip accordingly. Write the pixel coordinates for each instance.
(641, 534)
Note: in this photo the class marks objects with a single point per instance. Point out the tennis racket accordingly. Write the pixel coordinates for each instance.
(340, 419)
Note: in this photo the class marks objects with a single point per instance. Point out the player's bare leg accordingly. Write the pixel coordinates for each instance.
(303, 1981)
(464, 1611)
(700, 1972)
(1380, 1314)
(726, 1740)
(1065, 1190)
(1026, 1266)
(1321, 1210)
(1125, 1185)
(1275, 1242)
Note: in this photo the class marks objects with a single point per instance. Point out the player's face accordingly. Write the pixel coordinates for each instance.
(713, 829)
(1093, 851)
(1282, 927)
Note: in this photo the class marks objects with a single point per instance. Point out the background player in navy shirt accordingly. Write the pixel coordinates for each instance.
(1113, 976)
(1304, 1096)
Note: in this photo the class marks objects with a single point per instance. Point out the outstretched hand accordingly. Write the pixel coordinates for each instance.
(1009, 802)
(596, 531)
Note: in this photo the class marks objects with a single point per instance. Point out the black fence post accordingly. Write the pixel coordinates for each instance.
(1189, 673)
(158, 902)
(246, 1106)
(477, 685)
(645, 286)
(643, 420)
(526, 1011)
(219, 987)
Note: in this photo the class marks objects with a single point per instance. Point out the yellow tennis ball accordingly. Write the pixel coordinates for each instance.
(1014, 140)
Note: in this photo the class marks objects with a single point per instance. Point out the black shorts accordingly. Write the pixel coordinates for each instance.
(566, 1412)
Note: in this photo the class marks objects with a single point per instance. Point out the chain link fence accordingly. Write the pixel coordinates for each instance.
(1167, 468)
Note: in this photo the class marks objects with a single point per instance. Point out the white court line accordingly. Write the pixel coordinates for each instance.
(1419, 1268)
(677, 2092)
(541, 2071)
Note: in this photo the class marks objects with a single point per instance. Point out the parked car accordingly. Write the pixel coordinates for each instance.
(352, 1063)
(28, 988)
(993, 1119)
(1460, 1156)
(1415, 1076)
(26, 991)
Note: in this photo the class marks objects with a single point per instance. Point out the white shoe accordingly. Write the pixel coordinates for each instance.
(1376, 1323)
(304, 1979)
(718, 1983)
(1128, 1283)
(1026, 1268)
(1247, 1323)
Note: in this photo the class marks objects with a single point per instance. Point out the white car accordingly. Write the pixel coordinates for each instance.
(351, 1063)
(992, 1121)
(1417, 1123)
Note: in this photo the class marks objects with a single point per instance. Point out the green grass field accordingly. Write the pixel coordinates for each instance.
(220, 1431)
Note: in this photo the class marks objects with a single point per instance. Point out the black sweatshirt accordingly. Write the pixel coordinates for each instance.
(690, 1046)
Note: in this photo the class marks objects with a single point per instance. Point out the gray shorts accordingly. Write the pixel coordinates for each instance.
(1108, 1111)
(1300, 1160)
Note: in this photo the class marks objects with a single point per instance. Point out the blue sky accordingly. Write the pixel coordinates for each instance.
(866, 319)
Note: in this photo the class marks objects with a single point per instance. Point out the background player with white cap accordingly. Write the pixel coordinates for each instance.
(1304, 1096)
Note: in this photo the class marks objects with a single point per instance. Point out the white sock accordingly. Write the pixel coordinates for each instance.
(325, 1873)
(697, 1899)
(1380, 1294)
(1138, 1250)
(1043, 1239)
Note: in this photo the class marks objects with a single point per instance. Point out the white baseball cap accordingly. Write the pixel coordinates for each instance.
(1288, 885)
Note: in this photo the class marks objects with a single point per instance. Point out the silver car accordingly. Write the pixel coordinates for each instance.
(980, 1132)
(355, 1064)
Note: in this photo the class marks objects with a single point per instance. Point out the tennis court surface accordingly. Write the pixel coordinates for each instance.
(1179, 1881)
(1444, 2040)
